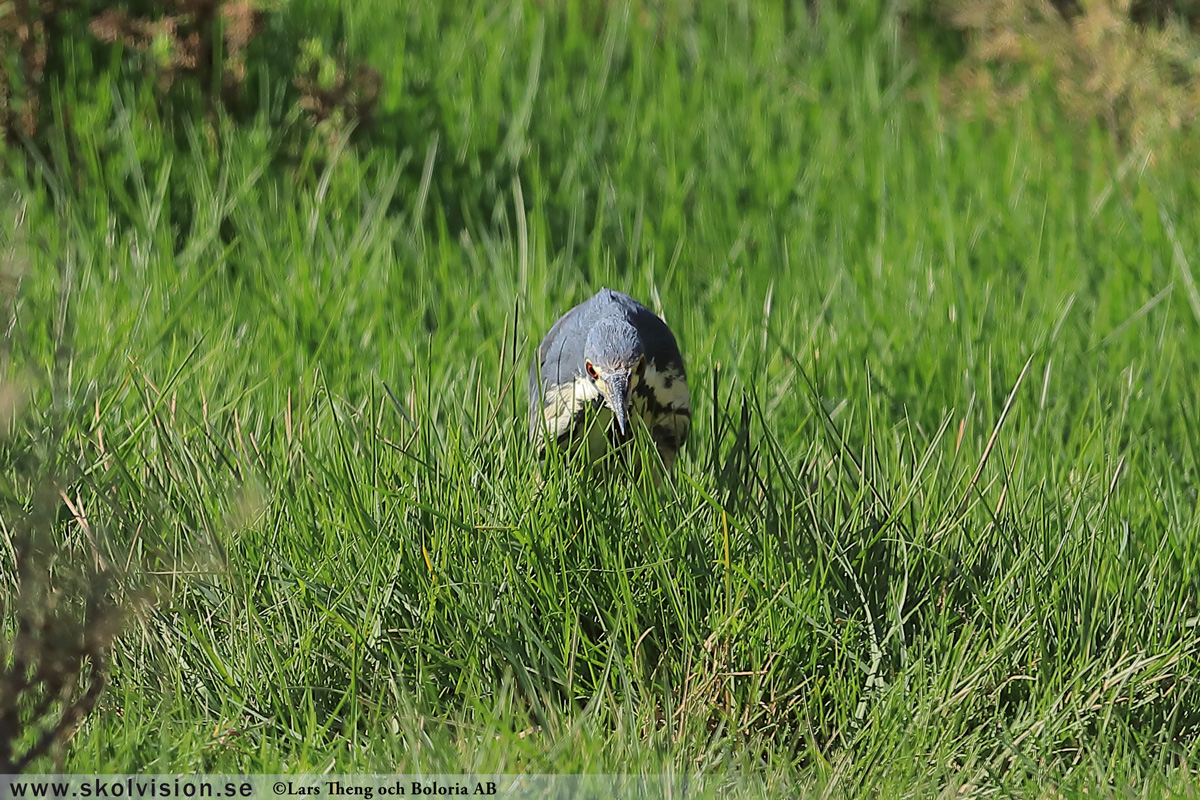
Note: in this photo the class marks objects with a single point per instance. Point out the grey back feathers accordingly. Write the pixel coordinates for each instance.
(621, 339)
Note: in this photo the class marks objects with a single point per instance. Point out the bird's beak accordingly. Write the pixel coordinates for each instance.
(616, 393)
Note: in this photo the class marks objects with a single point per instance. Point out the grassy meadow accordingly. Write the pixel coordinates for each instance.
(935, 529)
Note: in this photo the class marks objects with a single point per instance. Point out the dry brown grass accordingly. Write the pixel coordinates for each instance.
(181, 39)
(1127, 65)
(67, 584)
(335, 92)
(174, 43)
(23, 52)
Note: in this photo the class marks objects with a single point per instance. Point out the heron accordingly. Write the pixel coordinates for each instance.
(604, 364)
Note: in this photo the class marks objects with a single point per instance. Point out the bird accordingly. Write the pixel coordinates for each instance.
(605, 363)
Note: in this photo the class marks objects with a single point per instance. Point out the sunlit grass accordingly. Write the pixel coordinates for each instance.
(936, 523)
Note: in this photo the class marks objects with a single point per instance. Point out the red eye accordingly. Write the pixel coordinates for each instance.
(590, 369)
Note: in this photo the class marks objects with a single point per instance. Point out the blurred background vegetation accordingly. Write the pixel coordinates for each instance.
(313, 72)
(1129, 66)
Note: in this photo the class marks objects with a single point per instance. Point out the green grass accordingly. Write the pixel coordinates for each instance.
(936, 526)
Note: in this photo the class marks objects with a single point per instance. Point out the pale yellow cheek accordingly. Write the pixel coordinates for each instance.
(560, 403)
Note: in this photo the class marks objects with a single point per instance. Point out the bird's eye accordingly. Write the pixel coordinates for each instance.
(591, 371)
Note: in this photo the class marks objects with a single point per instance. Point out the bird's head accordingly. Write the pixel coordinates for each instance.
(613, 360)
